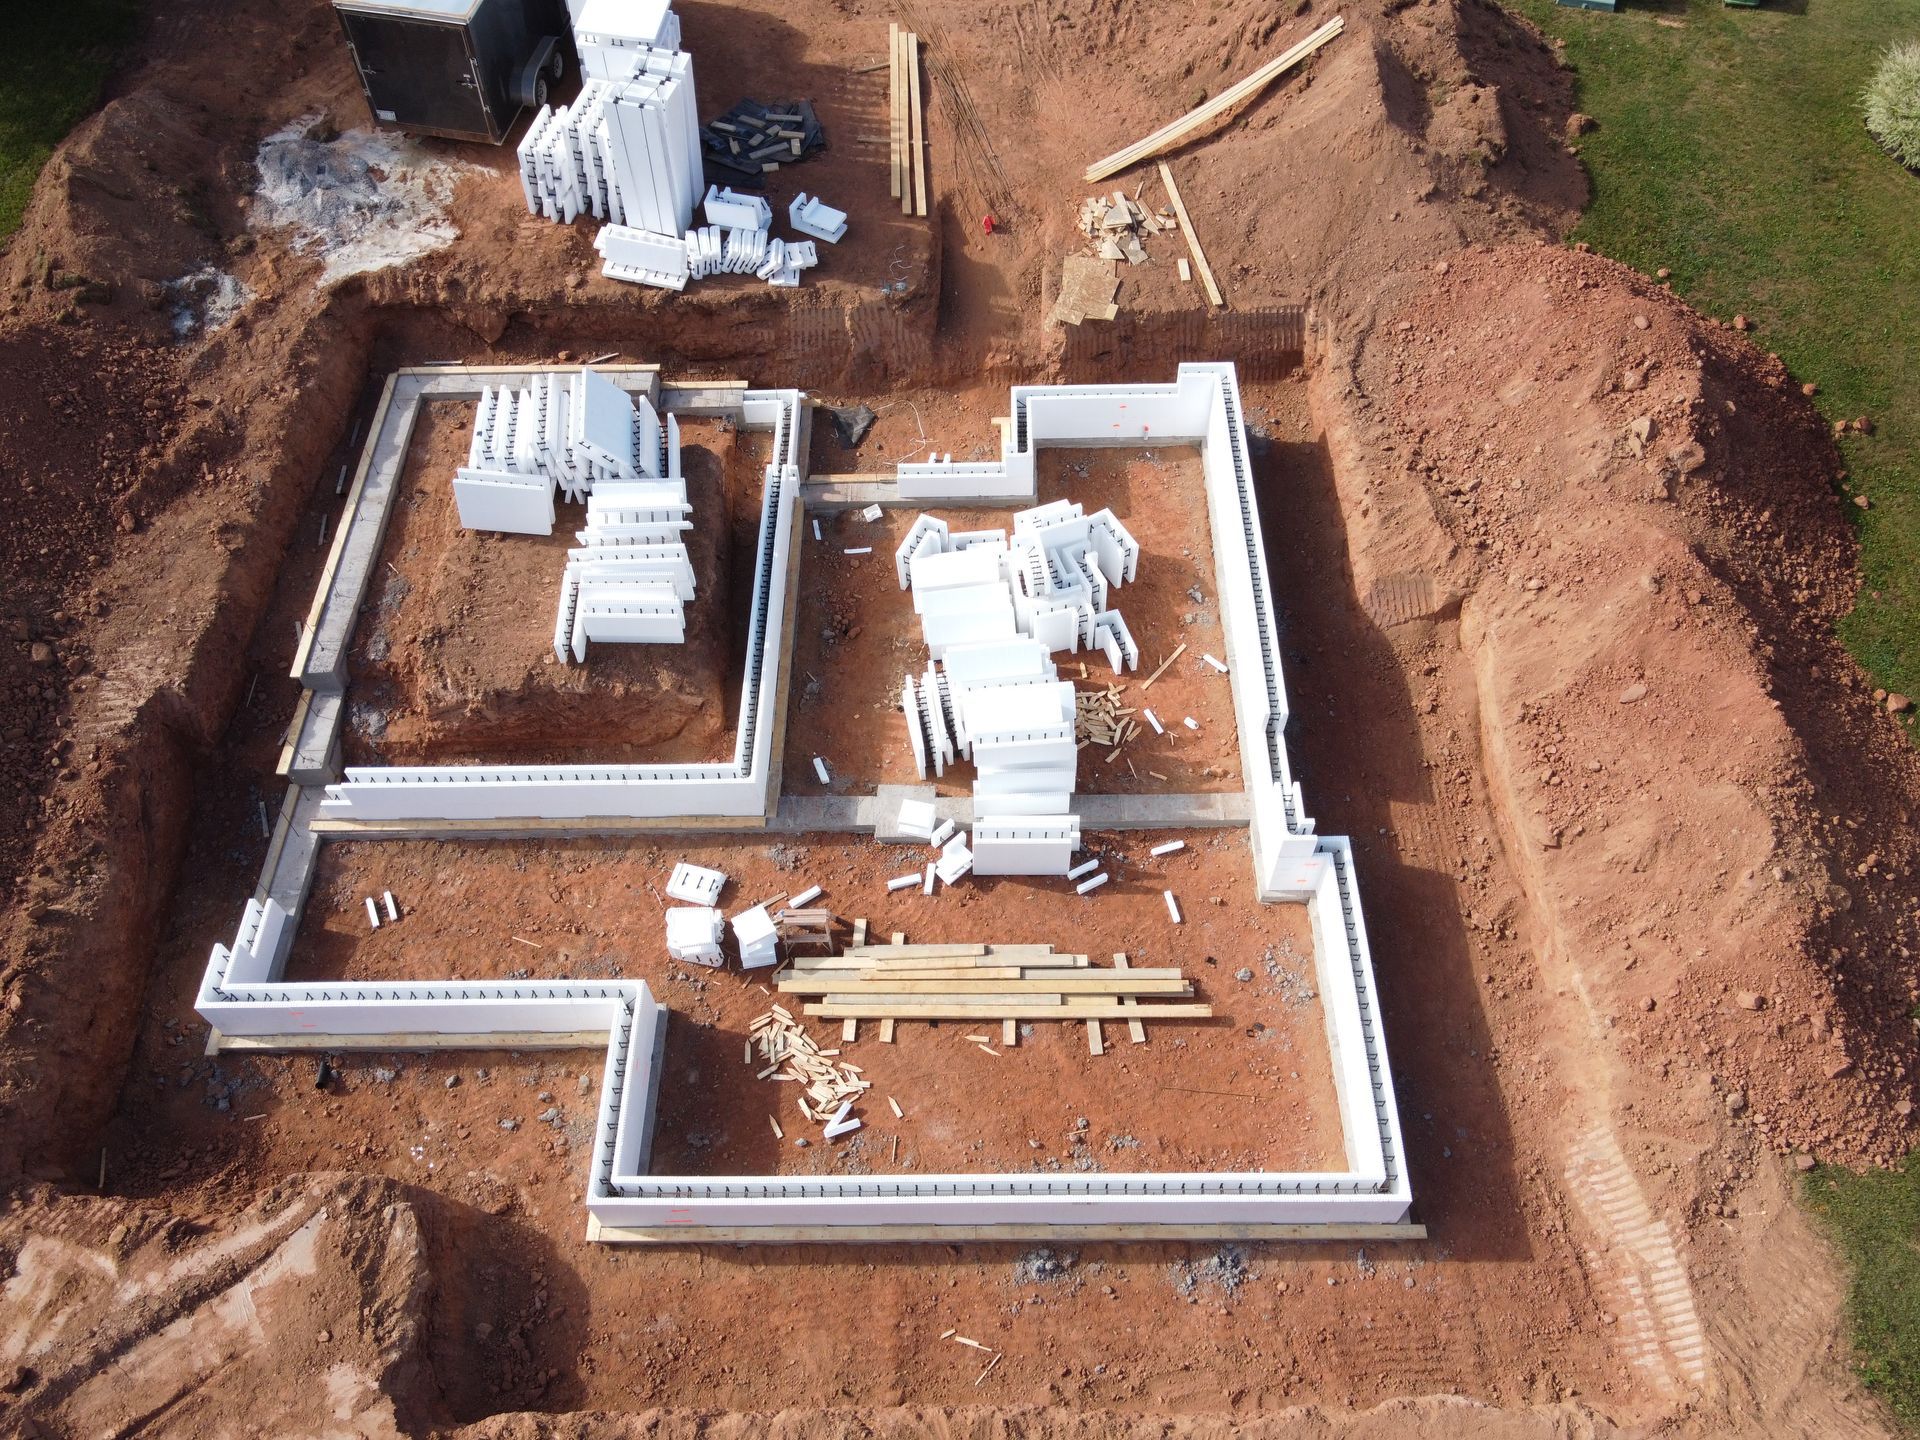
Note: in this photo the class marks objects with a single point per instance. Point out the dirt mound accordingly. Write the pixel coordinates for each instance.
(300, 1315)
(1704, 802)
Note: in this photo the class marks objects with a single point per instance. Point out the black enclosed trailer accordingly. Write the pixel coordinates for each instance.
(463, 69)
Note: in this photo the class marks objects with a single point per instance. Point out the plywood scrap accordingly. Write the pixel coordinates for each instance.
(1087, 288)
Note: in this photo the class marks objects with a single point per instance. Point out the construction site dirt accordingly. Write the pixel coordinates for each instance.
(1557, 590)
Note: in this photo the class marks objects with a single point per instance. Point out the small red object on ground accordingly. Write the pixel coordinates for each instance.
(986, 224)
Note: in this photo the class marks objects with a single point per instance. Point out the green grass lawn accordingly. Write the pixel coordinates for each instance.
(1730, 149)
(1874, 1219)
(53, 60)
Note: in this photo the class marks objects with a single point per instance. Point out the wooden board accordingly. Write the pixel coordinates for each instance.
(1095, 1044)
(919, 129)
(1136, 1032)
(987, 1003)
(801, 982)
(1086, 1009)
(950, 1234)
(893, 108)
(900, 951)
(1193, 244)
(1061, 985)
(1176, 131)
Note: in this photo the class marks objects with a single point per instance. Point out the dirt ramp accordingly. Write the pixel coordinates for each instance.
(1644, 515)
(300, 1315)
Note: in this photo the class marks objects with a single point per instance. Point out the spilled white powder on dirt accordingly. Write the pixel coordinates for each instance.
(206, 299)
(360, 199)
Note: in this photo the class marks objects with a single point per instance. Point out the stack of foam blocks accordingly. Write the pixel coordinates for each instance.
(693, 935)
(993, 609)
(630, 579)
(571, 434)
(758, 938)
(627, 150)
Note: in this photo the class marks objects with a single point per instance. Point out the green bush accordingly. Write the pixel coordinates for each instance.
(1892, 103)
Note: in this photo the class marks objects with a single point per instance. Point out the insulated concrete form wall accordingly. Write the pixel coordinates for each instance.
(739, 788)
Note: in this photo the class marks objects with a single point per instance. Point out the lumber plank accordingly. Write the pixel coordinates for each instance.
(893, 108)
(919, 129)
(1136, 1032)
(901, 950)
(988, 1002)
(1093, 1008)
(218, 1044)
(849, 1031)
(1193, 242)
(1009, 1033)
(1175, 131)
(841, 985)
(803, 982)
(886, 1031)
(909, 50)
(1095, 1044)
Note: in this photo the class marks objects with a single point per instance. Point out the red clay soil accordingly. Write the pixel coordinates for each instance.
(1488, 588)
(856, 636)
(453, 663)
(1250, 1089)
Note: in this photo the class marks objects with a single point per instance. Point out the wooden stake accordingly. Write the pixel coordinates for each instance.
(1164, 664)
(886, 1032)
(1193, 242)
(1095, 1046)
(1009, 1033)
(849, 1031)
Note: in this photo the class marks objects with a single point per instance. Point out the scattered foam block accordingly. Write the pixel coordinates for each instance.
(1083, 868)
(810, 215)
(812, 892)
(693, 935)
(1088, 886)
(901, 882)
(1173, 906)
(1170, 848)
(917, 819)
(820, 769)
(730, 208)
(756, 935)
(372, 913)
(695, 884)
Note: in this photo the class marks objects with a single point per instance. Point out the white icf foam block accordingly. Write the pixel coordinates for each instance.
(811, 893)
(926, 886)
(820, 769)
(843, 1127)
(1154, 720)
(1172, 847)
(872, 513)
(939, 837)
(813, 216)
(1082, 869)
(393, 910)
(373, 914)
(695, 884)
(1173, 906)
(1219, 665)
(901, 882)
(1086, 887)
(917, 818)
(736, 211)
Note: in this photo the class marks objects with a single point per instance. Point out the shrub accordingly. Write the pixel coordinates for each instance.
(1892, 103)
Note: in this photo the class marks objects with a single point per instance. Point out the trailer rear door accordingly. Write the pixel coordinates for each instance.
(420, 74)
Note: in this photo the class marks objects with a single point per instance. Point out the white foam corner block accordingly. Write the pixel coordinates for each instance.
(1173, 906)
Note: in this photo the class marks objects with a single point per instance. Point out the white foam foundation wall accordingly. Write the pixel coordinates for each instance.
(738, 788)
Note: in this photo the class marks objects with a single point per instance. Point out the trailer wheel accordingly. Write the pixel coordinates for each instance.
(557, 67)
(539, 91)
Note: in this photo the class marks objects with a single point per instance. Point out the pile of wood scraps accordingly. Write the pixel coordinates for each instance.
(908, 121)
(1116, 225)
(1100, 719)
(753, 139)
(984, 982)
(787, 1052)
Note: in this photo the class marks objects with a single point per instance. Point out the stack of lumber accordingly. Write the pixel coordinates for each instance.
(984, 982)
(907, 119)
(787, 1052)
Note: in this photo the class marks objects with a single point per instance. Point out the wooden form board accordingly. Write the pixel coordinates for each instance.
(1174, 132)
(218, 1044)
(919, 128)
(1092, 1008)
(899, 148)
(948, 1234)
(1193, 244)
(1013, 985)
